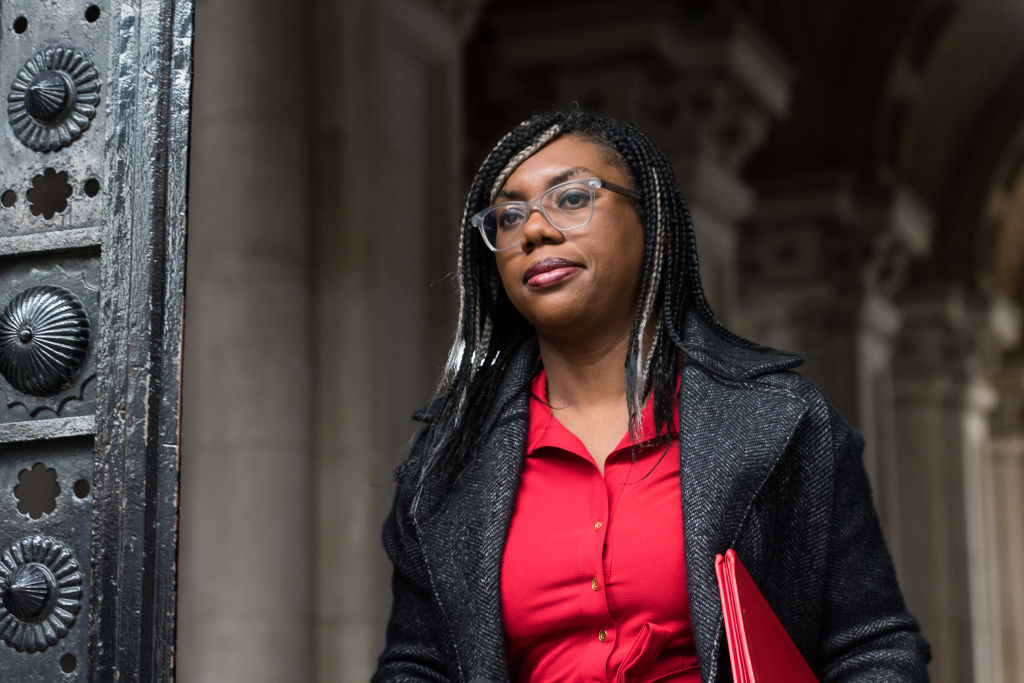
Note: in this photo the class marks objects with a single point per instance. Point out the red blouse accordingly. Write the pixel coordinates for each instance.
(593, 581)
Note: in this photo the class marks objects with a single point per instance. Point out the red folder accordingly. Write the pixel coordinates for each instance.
(759, 647)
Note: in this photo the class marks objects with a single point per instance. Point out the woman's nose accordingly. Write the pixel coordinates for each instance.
(538, 230)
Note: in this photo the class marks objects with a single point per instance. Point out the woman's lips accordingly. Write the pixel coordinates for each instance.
(549, 271)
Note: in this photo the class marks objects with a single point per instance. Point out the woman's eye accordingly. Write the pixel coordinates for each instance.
(509, 218)
(574, 199)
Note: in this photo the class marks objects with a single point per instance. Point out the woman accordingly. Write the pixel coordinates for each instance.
(537, 531)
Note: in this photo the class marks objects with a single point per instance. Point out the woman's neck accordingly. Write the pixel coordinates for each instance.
(587, 390)
(586, 375)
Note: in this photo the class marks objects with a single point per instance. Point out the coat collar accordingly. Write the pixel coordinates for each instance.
(722, 353)
(732, 431)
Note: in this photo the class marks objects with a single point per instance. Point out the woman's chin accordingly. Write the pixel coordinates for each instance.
(578, 327)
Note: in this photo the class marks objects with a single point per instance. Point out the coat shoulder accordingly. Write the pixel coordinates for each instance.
(820, 413)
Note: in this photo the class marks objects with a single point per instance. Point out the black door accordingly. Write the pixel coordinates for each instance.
(93, 160)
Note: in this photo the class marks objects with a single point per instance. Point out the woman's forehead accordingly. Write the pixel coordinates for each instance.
(561, 159)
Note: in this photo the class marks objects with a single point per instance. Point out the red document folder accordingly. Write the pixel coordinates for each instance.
(759, 647)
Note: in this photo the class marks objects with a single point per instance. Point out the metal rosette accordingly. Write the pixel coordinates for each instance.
(53, 98)
(40, 593)
(44, 337)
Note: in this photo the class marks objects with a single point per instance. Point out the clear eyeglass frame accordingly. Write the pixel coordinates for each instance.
(546, 203)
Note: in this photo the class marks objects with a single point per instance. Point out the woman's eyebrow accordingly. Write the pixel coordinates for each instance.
(552, 181)
(565, 175)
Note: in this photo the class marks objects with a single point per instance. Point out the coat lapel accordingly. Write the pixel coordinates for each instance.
(463, 541)
(731, 435)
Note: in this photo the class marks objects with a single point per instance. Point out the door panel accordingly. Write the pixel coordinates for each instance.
(93, 160)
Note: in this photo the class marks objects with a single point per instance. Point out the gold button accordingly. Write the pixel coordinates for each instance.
(593, 583)
(602, 635)
(597, 525)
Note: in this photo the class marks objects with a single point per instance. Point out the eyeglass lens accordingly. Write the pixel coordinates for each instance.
(566, 206)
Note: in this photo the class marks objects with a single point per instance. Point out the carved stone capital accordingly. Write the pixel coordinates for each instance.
(821, 261)
(955, 336)
(702, 82)
(824, 231)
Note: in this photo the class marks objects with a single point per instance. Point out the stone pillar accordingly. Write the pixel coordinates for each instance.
(387, 127)
(821, 265)
(1003, 493)
(701, 81)
(944, 400)
(244, 563)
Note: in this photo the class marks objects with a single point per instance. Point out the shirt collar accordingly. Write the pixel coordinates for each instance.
(545, 430)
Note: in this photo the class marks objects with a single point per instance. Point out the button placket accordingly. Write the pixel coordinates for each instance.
(605, 626)
(593, 561)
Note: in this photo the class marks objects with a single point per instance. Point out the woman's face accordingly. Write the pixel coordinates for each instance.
(581, 282)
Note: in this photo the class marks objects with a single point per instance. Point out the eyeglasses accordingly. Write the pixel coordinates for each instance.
(565, 206)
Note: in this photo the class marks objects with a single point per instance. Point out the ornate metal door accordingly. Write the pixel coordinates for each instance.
(93, 161)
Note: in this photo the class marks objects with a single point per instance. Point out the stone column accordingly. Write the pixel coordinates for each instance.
(701, 81)
(1003, 495)
(944, 400)
(387, 127)
(244, 573)
(821, 265)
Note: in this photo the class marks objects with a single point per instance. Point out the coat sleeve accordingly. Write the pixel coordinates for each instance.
(868, 634)
(414, 649)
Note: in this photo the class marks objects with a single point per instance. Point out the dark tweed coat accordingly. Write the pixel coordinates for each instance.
(768, 468)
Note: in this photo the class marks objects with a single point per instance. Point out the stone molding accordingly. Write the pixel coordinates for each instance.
(955, 331)
(818, 245)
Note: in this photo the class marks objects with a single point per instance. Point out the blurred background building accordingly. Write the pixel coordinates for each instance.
(855, 173)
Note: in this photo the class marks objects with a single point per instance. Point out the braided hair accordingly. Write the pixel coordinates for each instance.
(489, 327)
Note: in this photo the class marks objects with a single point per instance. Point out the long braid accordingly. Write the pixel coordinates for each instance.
(489, 328)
